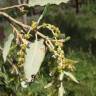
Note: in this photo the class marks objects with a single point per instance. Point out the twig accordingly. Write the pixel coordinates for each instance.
(13, 65)
(22, 26)
(19, 35)
(47, 38)
(12, 20)
(15, 6)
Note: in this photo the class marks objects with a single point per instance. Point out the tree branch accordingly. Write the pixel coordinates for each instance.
(24, 26)
(12, 20)
(15, 6)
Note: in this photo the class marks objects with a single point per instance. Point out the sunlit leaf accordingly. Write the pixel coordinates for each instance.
(45, 2)
(33, 59)
(61, 76)
(71, 76)
(61, 90)
(69, 61)
(23, 84)
(7, 46)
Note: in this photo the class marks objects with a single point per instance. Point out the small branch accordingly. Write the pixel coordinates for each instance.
(20, 24)
(19, 35)
(23, 26)
(47, 38)
(14, 66)
(15, 6)
(12, 20)
(60, 40)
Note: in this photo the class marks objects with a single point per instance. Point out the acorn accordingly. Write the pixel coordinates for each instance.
(23, 46)
(21, 60)
(20, 53)
(27, 36)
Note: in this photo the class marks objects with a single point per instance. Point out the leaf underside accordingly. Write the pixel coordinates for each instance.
(33, 59)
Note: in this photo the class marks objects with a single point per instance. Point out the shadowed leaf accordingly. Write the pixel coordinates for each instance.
(33, 59)
(7, 46)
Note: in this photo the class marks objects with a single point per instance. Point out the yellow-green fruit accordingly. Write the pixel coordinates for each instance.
(34, 24)
(23, 46)
(20, 53)
(21, 60)
(27, 36)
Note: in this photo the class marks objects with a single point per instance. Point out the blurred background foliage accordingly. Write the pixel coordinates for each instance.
(81, 27)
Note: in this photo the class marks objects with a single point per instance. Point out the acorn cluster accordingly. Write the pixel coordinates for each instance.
(21, 55)
(24, 44)
(22, 51)
(58, 52)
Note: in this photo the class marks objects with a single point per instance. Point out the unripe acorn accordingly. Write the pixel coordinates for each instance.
(23, 46)
(21, 60)
(20, 53)
(27, 36)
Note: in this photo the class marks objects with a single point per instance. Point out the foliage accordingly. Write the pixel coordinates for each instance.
(23, 53)
(81, 27)
(53, 71)
(85, 72)
(46, 81)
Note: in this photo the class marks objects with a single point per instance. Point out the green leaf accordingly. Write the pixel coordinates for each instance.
(42, 15)
(2, 74)
(33, 59)
(48, 85)
(45, 2)
(7, 46)
(70, 75)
